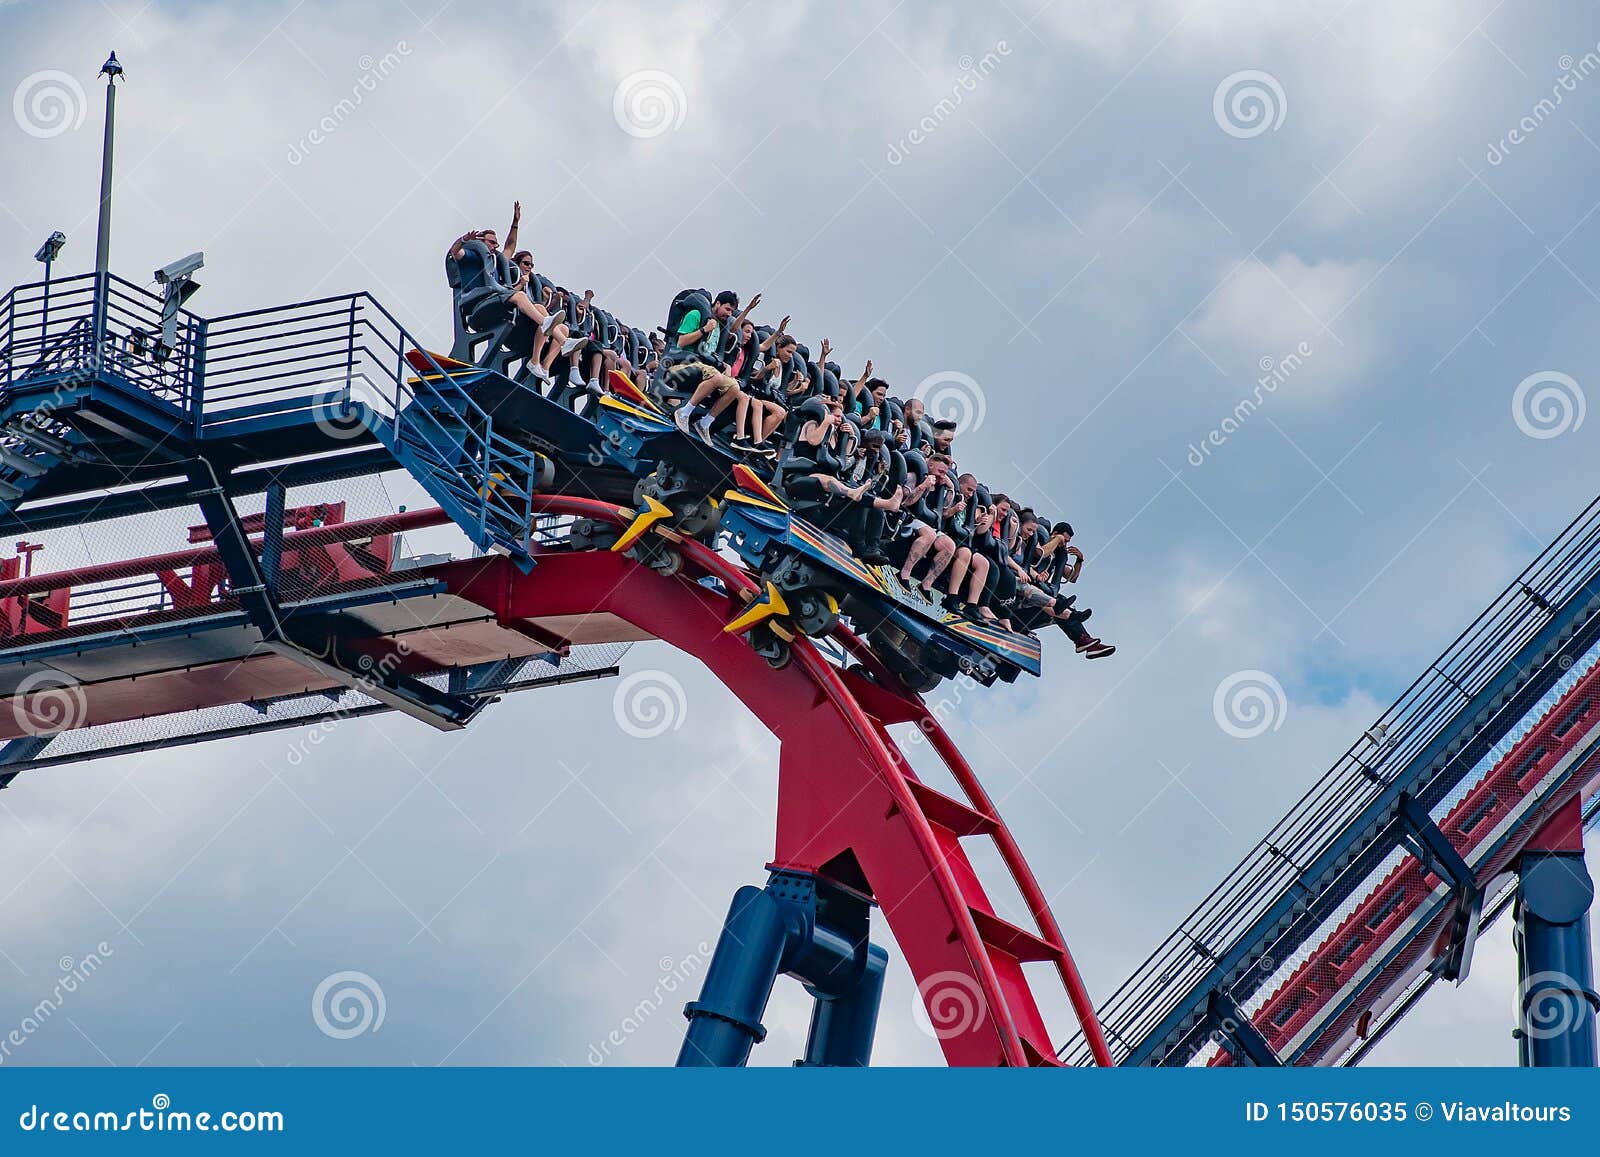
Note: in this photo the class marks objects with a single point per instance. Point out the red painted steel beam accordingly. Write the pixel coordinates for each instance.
(293, 540)
(845, 795)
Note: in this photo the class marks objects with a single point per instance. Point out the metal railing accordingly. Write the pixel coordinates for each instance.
(1333, 809)
(329, 356)
(78, 325)
(338, 361)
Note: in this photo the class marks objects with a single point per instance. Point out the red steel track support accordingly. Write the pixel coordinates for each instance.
(849, 806)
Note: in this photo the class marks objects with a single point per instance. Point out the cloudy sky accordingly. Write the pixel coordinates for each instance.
(1099, 221)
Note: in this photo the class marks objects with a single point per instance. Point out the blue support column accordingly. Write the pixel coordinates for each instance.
(726, 1021)
(842, 1027)
(807, 928)
(1555, 965)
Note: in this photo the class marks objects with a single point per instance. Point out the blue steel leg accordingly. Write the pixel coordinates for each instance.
(726, 1021)
(842, 1027)
(1554, 961)
(808, 928)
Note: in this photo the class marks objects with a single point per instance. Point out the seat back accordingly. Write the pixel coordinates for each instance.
(480, 315)
(686, 300)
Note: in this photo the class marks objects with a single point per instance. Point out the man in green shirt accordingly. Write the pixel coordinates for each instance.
(702, 337)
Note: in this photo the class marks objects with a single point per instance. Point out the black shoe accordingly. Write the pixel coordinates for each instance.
(1083, 615)
(873, 557)
(742, 445)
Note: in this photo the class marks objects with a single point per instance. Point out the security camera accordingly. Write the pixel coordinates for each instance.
(180, 270)
(51, 247)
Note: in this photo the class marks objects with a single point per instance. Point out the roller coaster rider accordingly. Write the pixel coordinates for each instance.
(499, 280)
(768, 411)
(1045, 565)
(813, 474)
(916, 528)
(698, 344)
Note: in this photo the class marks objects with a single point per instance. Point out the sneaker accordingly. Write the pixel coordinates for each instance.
(594, 385)
(681, 417)
(742, 445)
(570, 344)
(552, 321)
(703, 428)
(1083, 615)
(1089, 643)
(874, 558)
(541, 373)
(1101, 651)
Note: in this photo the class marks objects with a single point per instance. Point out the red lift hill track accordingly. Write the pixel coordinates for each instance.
(114, 404)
